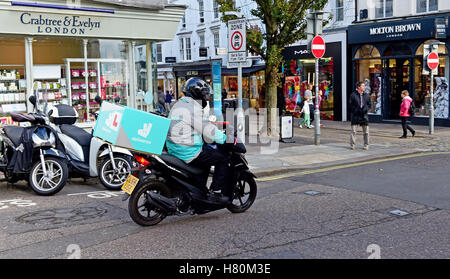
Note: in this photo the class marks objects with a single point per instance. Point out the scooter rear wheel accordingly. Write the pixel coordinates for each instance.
(111, 178)
(140, 210)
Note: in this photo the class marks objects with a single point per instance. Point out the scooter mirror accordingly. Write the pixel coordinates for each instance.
(98, 99)
(32, 100)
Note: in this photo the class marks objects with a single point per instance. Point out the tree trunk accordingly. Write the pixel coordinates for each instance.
(271, 99)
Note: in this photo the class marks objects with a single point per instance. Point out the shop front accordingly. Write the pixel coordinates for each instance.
(299, 73)
(252, 80)
(69, 55)
(388, 57)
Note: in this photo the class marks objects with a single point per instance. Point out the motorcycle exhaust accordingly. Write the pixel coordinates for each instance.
(163, 203)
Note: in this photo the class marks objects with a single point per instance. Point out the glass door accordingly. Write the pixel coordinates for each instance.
(397, 77)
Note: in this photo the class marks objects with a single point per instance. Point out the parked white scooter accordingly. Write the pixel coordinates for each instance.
(90, 156)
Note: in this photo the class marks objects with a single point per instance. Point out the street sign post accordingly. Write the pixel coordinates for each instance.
(433, 63)
(237, 52)
(318, 50)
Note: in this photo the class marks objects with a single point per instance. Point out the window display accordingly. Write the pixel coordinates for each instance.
(299, 75)
(13, 85)
(368, 70)
(422, 86)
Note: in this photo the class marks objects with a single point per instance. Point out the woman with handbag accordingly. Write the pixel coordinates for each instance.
(406, 110)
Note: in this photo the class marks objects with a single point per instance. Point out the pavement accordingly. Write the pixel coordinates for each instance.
(268, 156)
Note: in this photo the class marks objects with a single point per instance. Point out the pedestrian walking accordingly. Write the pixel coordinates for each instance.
(406, 110)
(359, 108)
(306, 114)
(168, 101)
(161, 100)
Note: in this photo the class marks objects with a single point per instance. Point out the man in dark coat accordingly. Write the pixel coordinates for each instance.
(359, 109)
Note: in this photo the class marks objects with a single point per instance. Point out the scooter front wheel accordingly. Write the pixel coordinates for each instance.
(244, 194)
(111, 178)
(50, 181)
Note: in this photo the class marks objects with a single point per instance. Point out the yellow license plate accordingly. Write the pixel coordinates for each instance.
(130, 184)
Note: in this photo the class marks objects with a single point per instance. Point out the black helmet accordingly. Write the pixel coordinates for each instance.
(197, 89)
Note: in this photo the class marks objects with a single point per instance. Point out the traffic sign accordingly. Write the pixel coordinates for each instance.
(318, 47)
(433, 60)
(237, 46)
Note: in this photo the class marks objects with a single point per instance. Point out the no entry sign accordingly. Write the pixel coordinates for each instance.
(433, 60)
(318, 47)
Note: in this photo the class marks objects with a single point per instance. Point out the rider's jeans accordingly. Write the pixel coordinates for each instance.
(220, 160)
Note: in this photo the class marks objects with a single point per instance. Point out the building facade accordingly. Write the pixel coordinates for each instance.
(194, 49)
(69, 52)
(386, 48)
(299, 68)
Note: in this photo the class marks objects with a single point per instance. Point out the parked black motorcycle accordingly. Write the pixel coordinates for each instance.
(168, 186)
(33, 153)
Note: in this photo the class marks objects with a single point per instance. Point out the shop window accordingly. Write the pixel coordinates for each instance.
(299, 75)
(367, 51)
(368, 70)
(422, 85)
(397, 50)
(51, 74)
(13, 85)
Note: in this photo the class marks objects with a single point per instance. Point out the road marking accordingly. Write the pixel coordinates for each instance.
(16, 202)
(99, 194)
(301, 173)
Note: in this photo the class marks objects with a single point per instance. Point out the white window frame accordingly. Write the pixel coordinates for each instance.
(384, 8)
(215, 9)
(427, 7)
(216, 33)
(339, 10)
(159, 54)
(188, 48)
(181, 45)
(201, 9)
(201, 37)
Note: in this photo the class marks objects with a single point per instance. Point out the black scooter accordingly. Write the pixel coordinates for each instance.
(168, 186)
(33, 153)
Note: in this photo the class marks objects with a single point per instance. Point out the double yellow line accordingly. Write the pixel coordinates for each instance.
(306, 172)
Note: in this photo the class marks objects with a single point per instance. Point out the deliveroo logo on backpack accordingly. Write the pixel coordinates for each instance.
(113, 121)
(144, 132)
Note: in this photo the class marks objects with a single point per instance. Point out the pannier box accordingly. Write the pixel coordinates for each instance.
(131, 128)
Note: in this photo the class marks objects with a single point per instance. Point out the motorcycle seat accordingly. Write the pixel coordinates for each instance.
(178, 163)
(77, 133)
(14, 133)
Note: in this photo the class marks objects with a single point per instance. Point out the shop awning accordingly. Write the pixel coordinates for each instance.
(245, 71)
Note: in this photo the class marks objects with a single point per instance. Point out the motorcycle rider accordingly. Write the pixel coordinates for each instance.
(191, 137)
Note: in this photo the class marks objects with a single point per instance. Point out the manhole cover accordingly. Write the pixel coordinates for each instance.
(312, 193)
(61, 216)
(398, 212)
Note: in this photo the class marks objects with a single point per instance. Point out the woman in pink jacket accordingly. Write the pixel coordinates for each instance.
(404, 114)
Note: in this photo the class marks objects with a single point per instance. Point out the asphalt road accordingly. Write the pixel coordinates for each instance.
(349, 217)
